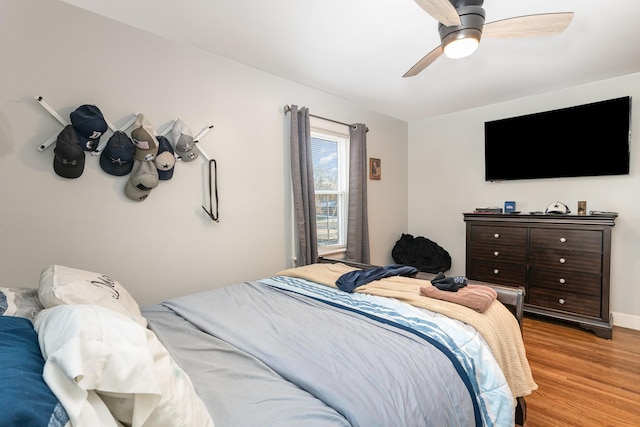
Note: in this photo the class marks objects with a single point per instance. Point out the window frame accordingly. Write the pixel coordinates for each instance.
(321, 129)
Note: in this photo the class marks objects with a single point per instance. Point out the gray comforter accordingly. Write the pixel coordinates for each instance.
(263, 355)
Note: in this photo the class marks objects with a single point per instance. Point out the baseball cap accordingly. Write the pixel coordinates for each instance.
(68, 160)
(183, 142)
(144, 138)
(118, 155)
(165, 161)
(90, 124)
(143, 179)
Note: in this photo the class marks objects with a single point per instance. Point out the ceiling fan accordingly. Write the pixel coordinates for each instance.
(461, 25)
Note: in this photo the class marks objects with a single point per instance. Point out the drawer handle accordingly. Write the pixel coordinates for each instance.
(496, 271)
(562, 281)
(496, 235)
(496, 253)
(561, 301)
(563, 239)
(562, 260)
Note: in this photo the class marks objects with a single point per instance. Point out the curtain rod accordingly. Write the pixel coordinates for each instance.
(287, 109)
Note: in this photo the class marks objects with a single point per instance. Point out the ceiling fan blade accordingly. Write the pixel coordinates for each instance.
(528, 25)
(441, 10)
(424, 62)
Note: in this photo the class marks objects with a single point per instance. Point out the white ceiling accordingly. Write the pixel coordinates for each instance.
(359, 49)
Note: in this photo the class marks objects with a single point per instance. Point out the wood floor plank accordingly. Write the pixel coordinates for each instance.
(583, 380)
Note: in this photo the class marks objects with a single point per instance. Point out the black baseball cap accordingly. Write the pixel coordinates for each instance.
(68, 160)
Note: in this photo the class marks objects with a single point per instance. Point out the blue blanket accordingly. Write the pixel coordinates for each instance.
(25, 399)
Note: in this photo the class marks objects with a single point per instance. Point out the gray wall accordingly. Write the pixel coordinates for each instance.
(453, 183)
(164, 246)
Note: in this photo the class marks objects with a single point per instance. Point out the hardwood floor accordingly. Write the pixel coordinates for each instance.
(582, 380)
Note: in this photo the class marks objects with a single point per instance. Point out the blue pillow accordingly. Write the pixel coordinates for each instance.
(25, 399)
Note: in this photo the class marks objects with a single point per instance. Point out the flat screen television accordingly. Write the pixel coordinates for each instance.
(584, 140)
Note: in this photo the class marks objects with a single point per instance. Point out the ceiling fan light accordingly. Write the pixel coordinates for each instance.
(460, 48)
(461, 43)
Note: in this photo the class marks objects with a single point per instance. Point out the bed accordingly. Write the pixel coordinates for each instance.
(287, 350)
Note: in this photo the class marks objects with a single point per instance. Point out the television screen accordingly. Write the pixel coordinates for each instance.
(585, 140)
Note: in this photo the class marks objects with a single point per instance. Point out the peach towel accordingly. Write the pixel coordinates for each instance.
(476, 297)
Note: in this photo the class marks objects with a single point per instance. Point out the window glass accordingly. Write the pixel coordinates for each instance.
(329, 175)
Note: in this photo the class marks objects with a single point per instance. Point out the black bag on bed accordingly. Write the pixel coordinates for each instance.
(421, 253)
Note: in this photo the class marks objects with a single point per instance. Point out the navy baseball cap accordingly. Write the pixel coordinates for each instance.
(165, 161)
(90, 124)
(118, 155)
(68, 160)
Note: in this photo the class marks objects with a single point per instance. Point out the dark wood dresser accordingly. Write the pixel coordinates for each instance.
(563, 262)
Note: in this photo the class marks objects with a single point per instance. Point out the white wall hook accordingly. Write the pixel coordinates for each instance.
(202, 133)
(56, 116)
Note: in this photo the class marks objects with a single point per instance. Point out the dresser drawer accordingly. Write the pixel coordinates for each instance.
(489, 234)
(566, 301)
(590, 262)
(498, 252)
(567, 281)
(566, 239)
(502, 273)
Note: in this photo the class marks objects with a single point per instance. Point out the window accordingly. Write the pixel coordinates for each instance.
(329, 154)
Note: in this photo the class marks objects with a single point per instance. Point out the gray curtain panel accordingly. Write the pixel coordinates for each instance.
(303, 186)
(358, 223)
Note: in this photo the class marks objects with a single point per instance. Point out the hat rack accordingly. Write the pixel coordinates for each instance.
(125, 126)
(213, 178)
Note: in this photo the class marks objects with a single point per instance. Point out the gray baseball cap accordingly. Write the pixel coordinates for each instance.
(184, 144)
(143, 179)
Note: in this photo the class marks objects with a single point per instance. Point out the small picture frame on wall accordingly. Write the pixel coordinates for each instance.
(375, 168)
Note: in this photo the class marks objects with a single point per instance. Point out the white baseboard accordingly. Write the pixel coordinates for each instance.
(626, 320)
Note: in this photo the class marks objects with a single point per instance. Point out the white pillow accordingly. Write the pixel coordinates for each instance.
(65, 285)
(90, 349)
